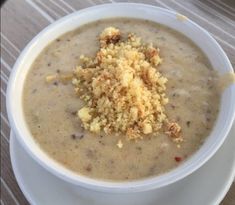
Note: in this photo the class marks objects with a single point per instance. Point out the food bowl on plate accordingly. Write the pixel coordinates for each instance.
(198, 35)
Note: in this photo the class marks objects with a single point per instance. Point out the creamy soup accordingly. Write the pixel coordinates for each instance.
(50, 109)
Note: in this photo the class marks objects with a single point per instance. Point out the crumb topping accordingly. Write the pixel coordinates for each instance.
(120, 144)
(122, 88)
(109, 35)
(174, 130)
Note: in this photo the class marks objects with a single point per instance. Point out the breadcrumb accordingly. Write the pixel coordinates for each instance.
(84, 114)
(120, 144)
(174, 131)
(109, 35)
(51, 78)
(121, 87)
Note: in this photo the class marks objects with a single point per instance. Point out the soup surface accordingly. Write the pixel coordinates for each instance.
(50, 109)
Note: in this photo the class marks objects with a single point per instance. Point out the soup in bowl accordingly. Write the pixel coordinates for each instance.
(121, 97)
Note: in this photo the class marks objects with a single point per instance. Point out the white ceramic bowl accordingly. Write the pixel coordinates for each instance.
(197, 34)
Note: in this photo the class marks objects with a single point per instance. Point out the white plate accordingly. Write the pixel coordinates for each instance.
(208, 185)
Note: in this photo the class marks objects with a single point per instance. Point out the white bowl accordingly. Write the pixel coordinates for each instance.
(197, 34)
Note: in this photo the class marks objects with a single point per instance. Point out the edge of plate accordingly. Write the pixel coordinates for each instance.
(20, 182)
(16, 172)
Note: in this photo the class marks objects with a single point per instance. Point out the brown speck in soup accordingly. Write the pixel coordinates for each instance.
(91, 154)
(58, 40)
(151, 170)
(77, 136)
(88, 168)
(139, 149)
(101, 142)
(74, 113)
(188, 123)
(178, 119)
(34, 90)
(111, 161)
(49, 64)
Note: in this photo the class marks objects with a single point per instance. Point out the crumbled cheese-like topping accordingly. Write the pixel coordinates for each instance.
(51, 78)
(109, 35)
(120, 144)
(84, 114)
(174, 131)
(122, 88)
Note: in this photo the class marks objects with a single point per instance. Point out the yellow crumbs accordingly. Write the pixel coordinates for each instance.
(121, 87)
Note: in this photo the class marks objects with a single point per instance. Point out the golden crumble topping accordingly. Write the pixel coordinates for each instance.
(121, 87)
(109, 35)
(174, 131)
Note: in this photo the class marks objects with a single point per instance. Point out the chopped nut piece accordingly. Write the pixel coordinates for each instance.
(120, 144)
(174, 130)
(109, 35)
(151, 54)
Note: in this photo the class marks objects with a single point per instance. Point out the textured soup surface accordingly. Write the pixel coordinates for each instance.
(50, 109)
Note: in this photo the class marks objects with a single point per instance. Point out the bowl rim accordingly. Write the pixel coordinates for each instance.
(99, 184)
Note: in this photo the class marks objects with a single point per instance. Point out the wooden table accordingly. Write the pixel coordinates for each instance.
(23, 19)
